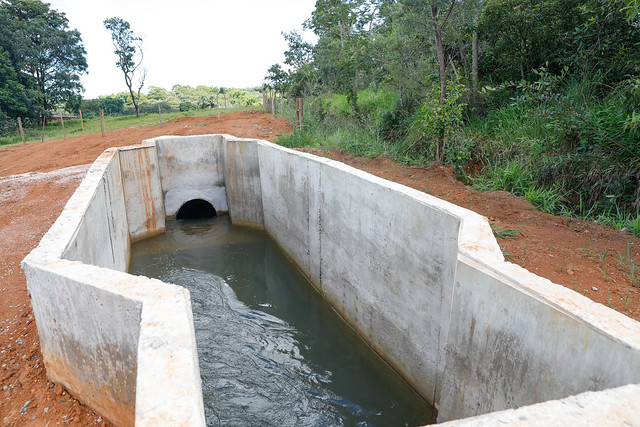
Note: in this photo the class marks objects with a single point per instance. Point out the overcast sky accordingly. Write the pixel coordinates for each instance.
(228, 43)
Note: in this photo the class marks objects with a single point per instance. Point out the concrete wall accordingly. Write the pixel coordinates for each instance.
(242, 182)
(363, 242)
(511, 345)
(101, 203)
(123, 345)
(145, 209)
(192, 167)
(88, 337)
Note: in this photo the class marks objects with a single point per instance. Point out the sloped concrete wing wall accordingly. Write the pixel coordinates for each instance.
(517, 339)
(106, 207)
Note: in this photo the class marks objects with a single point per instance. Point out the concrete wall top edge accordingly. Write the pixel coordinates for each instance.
(598, 317)
(421, 196)
(134, 147)
(613, 407)
(124, 284)
(211, 136)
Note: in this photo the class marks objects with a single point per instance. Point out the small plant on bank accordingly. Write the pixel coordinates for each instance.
(505, 233)
(437, 121)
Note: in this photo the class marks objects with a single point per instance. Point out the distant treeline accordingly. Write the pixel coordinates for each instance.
(179, 98)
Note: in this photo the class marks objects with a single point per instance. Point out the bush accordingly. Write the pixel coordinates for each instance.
(187, 106)
(437, 121)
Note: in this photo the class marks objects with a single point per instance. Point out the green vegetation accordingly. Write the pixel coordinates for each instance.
(539, 99)
(179, 99)
(41, 61)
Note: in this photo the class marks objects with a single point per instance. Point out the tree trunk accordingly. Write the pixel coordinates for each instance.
(442, 66)
(474, 67)
(464, 62)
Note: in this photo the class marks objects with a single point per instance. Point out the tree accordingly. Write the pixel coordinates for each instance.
(277, 78)
(12, 102)
(440, 14)
(299, 57)
(46, 56)
(130, 55)
(342, 55)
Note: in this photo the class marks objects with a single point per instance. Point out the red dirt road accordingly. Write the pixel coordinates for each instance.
(587, 257)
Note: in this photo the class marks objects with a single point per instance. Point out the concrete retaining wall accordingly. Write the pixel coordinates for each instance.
(423, 282)
(192, 167)
(363, 242)
(123, 345)
(142, 191)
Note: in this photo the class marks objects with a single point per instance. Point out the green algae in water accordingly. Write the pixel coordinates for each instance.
(271, 350)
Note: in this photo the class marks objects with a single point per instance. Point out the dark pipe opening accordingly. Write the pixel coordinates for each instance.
(196, 209)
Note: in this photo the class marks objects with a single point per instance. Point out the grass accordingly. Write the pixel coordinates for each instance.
(53, 130)
(505, 233)
(625, 299)
(630, 267)
(531, 149)
(517, 178)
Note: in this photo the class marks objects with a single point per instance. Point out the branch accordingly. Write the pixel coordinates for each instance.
(444, 21)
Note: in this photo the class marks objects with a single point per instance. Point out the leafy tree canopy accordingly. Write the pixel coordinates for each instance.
(41, 59)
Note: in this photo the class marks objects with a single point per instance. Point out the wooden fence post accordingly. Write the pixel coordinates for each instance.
(299, 113)
(218, 104)
(82, 122)
(282, 104)
(21, 130)
(104, 130)
(64, 133)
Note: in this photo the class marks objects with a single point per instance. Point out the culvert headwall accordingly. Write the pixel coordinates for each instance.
(422, 281)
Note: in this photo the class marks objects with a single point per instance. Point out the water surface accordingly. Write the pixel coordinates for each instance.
(271, 349)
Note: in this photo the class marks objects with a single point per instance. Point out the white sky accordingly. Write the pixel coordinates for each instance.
(228, 43)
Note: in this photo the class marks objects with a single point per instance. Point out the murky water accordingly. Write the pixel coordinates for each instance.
(271, 349)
